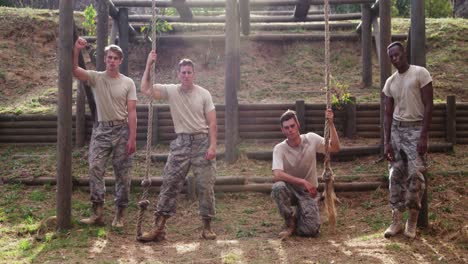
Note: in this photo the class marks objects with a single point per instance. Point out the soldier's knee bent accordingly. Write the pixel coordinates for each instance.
(308, 231)
(278, 187)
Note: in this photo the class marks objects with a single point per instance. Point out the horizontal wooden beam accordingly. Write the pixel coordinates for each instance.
(222, 3)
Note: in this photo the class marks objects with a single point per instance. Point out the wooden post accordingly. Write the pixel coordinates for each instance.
(418, 57)
(114, 31)
(418, 33)
(300, 111)
(451, 133)
(155, 125)
(350, 120)
(64, 116)
(102, 33)
(366, 45)
(385, 66)
(301, 10)
(80, 118)
(232, 80)
(123, 39)
(244, 6)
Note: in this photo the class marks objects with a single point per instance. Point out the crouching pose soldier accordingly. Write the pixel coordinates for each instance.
(295, 175)
(194, 116)
(408, 114)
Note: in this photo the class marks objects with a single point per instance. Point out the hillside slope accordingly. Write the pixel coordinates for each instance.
(270, 72)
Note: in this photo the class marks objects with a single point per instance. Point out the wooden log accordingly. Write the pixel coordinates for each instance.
(462, 106)
(367, 107)
(232, 83)
(261, 113)
(64, 116)
(29, 124)
(244, 11)
(266, 107)
(101, 33)
(123, 39)
(184, 11)
(255, 120)
(366, 45)
(350, 119)
(221, 3)
(260, 128)
(365, 113)
(286, 19)
(261, 134)
(304, 26)
(300, 112)
(80, 120)
(302, 9)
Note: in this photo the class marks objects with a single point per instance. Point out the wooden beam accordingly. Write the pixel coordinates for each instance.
(385, 67)
(222, 3)
(183, 10)
(232, 80)
(102, 33)
(244, 10)
(366, 45)
(64, 116)
(124, 39)
(302, 9)
(418, 33)
(451, 124)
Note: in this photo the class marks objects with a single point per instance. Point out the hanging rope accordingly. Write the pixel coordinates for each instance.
(146, 183)
(329, 191)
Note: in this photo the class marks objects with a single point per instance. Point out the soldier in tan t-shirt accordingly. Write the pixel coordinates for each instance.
(408, 114)
(295, 175)
(114, 132)
(194, 117)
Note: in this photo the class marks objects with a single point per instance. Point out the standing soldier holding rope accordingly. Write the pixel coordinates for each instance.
(194, 116)
(408, 114)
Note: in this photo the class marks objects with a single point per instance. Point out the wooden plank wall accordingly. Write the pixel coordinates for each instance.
(258, 122)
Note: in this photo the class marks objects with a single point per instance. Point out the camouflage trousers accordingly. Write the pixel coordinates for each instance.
(407, 182)
(294, 201)
(186, 152)
(105, 141)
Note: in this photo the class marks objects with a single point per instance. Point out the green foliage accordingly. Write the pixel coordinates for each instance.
(5, 3)
(438, 8)
(37, 196)
(90, 23)
(162, 26)
(340, 94)
(401, 8)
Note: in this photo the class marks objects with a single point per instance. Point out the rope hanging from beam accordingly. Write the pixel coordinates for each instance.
(329, 191)
(146, 183)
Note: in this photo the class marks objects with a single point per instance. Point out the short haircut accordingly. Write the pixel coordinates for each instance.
(288, 115)
(396, 43)
(185, 62)
(114, 48)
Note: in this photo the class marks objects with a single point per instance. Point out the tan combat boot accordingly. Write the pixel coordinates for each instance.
(397, 224)
(118, 219)
(157, 233)
(410, 228)
(290, 227)
(97, 218)
(207, 233)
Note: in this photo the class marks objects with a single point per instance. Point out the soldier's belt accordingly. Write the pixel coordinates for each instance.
(192, 137)
(407, 123)
(112, 123)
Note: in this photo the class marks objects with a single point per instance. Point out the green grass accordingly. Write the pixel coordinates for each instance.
(376, 221)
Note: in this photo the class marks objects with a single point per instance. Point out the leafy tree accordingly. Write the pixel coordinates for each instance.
(438, 8)
(90, 20)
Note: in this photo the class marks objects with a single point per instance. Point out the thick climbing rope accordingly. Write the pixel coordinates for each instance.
(329, 192)
(146, 183)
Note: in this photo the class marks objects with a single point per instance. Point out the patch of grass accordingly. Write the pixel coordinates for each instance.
(249, 211)
(37, 196)
(244, 233)
(231, 258)
(102, 232)
(367, 205)
(350, 178)
(376, 221)
(393, 247)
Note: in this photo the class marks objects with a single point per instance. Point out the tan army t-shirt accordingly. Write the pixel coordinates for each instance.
(188, 109)
(300, 161)
(111, 95)
(405, 89)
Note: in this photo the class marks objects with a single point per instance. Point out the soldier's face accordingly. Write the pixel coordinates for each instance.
(186, 75)
(290, 128)
(397, 57)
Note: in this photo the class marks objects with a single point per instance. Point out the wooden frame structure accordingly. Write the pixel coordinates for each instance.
(236, 11)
